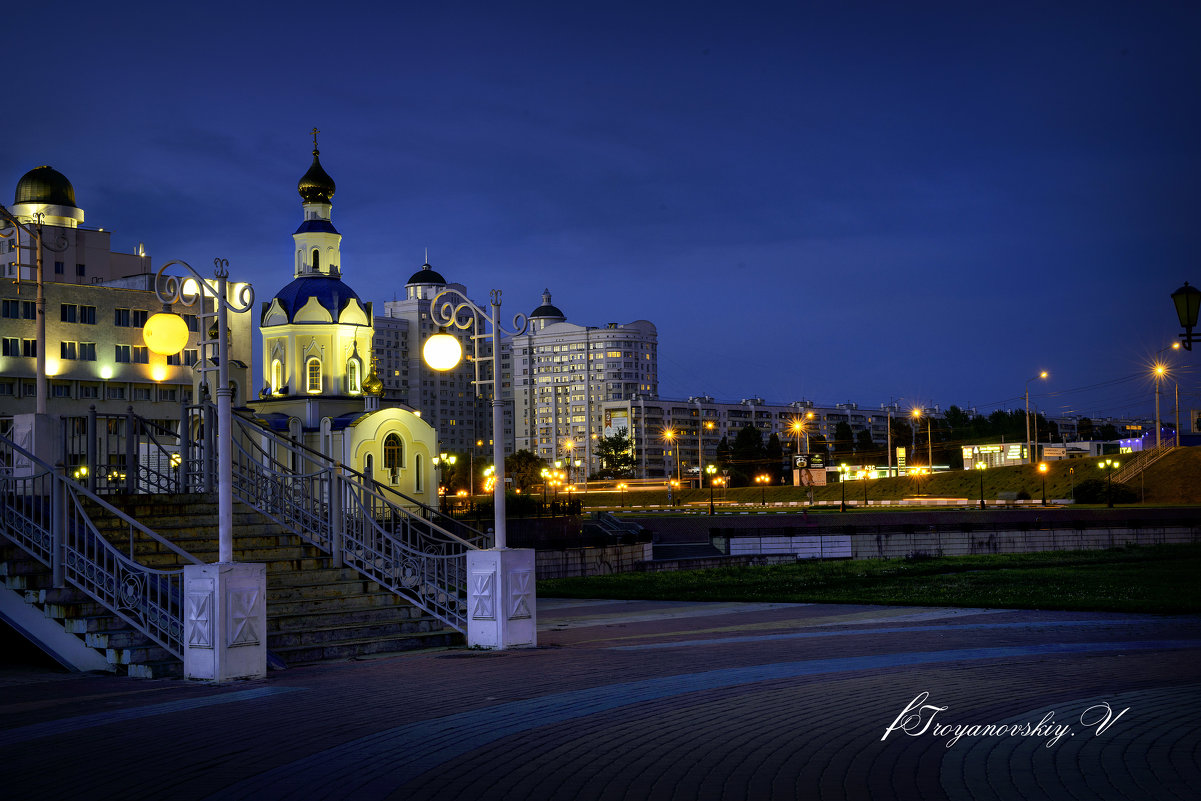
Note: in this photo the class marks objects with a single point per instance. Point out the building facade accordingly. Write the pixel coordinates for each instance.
(564, 375)
(97, 302)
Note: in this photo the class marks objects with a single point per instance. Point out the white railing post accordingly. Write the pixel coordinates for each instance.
(57, 523)
(334, 483)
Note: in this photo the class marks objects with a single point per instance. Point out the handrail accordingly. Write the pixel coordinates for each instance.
(1144, 460)
(339, 511)
(44, 513)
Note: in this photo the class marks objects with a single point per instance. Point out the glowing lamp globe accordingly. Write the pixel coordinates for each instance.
(442, 351)
(165, 333)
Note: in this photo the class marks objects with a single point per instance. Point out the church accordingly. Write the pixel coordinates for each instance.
(320, 387)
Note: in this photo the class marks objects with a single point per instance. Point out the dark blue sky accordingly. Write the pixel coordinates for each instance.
(834, 201)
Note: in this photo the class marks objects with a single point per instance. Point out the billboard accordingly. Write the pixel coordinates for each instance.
(617, 421)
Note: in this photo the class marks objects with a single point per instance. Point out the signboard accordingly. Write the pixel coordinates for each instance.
(812, 461)
(617, 421)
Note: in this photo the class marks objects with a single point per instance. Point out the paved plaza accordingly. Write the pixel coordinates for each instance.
(656, 700)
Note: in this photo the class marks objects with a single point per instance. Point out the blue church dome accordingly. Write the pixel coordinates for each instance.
(333, 295)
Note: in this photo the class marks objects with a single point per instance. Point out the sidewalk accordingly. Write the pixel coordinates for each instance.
(657, 700)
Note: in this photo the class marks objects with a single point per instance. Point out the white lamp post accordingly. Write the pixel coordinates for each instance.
(225, 605)
(501, 611)
(1029, 444)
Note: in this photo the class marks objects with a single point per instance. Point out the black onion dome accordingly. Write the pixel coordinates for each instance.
(316, 186)
(333, 295)
(427, 275)
(547, 309)
(46, 185)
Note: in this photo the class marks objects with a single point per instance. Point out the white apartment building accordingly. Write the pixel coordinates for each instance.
(699, 423)
(564, 374)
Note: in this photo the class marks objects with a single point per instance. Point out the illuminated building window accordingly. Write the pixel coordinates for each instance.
(313, 372)
(277, 376)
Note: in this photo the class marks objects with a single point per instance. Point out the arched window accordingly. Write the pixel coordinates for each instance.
(394, 452)
(277, 376)
(354, 379)
(417, 477)
(369, 466)
(313, 371)
(394, 457)
(316, 260)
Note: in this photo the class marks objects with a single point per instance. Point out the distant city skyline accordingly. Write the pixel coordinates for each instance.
(853, 202)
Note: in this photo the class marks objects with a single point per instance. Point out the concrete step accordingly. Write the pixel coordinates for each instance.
(345, 603)
(139, 654)
(125, 638)
(357, 633)
(347, 615)
(304, 654)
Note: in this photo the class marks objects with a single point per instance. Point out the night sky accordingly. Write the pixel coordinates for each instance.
(836, 201)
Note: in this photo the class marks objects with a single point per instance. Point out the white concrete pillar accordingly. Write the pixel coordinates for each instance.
(501, 610)
(225, 626)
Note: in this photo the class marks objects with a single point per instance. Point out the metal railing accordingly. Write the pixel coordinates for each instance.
(403, 545)
(1144, 459)
(124, 453)
(67, 527)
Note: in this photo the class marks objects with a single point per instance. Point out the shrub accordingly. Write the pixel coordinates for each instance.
(1094, 490)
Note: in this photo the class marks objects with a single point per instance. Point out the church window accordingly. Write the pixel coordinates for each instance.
(316, 260)
(314, 375)
(417, 477)
(354, 382)
(277, 376)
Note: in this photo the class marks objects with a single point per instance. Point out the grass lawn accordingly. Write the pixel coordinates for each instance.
(1159, 579)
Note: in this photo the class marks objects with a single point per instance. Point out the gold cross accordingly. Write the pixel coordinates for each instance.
(315, 132)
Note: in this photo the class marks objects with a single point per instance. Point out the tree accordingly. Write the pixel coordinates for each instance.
(817, 445)
(1108, 432)
(773, 454)
(844, 441)
(616, 457)
(746, 456)
(525, 468)
(865, 447)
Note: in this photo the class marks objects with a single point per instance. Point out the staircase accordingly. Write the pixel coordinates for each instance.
(315, 612)
(120, 648)
(1142, 460)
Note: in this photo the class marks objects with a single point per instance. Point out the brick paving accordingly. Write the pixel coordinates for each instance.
(654, 700)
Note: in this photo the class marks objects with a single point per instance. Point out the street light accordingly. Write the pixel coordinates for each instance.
(442, 461)
(442, 352)
(762, 480)
(669, 435)
(980, 468)
(917, 416)
(1159, 371)
(621, 490)
(169, 292)
(711, 469)
(1029, 443)
(1042, 471)
(60, 244)
(1188, 302)
(1110, 465)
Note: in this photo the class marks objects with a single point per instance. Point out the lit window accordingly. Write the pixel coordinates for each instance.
(314, 375)
(277, 376)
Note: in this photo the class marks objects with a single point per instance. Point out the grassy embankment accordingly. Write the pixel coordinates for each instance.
(1158, 579)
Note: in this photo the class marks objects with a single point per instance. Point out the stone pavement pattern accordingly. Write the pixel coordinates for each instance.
(655, 700)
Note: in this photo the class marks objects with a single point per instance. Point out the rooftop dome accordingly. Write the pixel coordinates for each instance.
(546, 309)
(427, 275)
(46, 185)
(316, 186)
(333, 295)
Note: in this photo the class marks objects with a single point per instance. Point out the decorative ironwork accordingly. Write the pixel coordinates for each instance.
(68, 528)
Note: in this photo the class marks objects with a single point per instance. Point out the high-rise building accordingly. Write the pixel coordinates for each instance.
(563, 373)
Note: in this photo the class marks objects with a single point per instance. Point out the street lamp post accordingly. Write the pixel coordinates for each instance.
(1042, 471)
(1029, 444)
(1188, 302)
(917, 416)
(980, 468)
(226, 585)
(621, 490)
(36, 233)
(1109, 465)
(762, 480)
(711, 470)
(501, 598)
